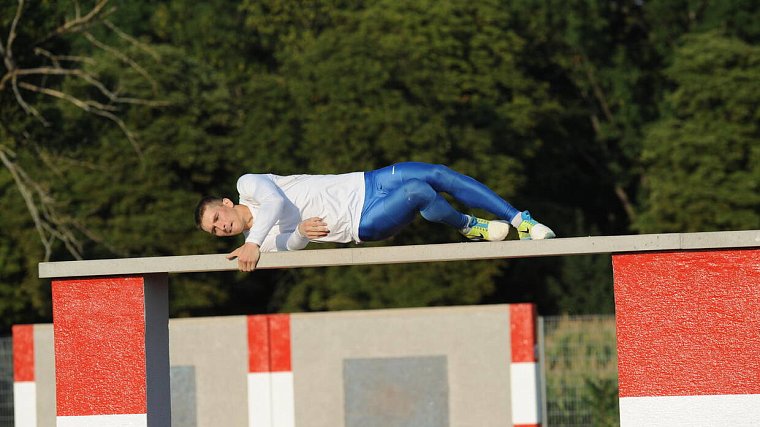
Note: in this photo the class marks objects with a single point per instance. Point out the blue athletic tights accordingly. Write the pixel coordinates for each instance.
(394, 195)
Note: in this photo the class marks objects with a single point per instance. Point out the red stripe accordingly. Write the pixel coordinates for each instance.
(279, 335)
(688, 323)
(258, 344)
(269, 343)
(522, 318)
(99, 330)
(23, 352)
(527, 425)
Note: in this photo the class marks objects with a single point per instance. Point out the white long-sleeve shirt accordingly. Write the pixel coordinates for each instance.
(279, 203)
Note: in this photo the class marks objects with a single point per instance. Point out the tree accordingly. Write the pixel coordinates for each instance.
(41, 59)
(703, 154)
(594, 56)
(93, 190)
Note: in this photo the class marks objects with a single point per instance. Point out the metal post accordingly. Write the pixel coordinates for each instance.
(542, 370)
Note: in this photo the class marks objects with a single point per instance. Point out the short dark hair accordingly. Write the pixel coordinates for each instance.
(201, 208)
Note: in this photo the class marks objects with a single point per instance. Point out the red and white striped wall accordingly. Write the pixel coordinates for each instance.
(688, 333)
(270, 374)
(24, 387)
(111, 352)
(526, 401)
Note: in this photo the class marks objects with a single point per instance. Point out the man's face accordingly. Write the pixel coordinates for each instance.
(222, 219)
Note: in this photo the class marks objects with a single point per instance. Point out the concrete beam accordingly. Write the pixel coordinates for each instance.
(409, 254)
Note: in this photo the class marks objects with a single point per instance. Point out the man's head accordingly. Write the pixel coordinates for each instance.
(219, 216)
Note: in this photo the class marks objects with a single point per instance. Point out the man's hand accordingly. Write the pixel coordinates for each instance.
(247, 255)
(313, 228)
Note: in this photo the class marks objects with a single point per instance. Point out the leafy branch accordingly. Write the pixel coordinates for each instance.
(23, 79)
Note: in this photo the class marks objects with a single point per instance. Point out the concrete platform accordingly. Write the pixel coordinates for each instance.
(315, 257)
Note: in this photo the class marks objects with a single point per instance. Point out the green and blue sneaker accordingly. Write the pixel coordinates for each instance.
(483, 229)
(530, 229)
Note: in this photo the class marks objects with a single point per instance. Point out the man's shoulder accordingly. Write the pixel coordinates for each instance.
(267, 176)
(255, 179)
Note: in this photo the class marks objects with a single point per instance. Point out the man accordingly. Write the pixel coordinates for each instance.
(278, 213)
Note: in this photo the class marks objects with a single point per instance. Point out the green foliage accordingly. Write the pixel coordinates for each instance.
(600, 117)
(598, 59)
(374, 287)
(583, 286)
(703, 154)
(602, 397)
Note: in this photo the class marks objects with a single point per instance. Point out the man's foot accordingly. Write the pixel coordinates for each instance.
(530, 229)
(483, 229)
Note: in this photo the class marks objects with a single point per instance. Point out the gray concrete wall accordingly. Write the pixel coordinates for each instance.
(472, 342)
(211, 355)
(44, 374)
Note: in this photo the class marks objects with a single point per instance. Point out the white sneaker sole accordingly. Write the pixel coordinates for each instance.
(541, 232)
(498, 230)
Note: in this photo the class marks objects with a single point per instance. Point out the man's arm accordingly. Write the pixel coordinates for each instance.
(249, 253)
(262, 190)
(307, 230)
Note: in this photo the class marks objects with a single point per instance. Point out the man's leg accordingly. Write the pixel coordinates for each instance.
(469, 191)
(463, 188)
(394, 208)
(392, 201)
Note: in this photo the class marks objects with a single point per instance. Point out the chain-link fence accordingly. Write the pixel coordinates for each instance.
(580, 371)
(6, 382)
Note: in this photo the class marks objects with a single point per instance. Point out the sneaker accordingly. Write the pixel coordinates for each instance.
(530, 229)
(483, 229)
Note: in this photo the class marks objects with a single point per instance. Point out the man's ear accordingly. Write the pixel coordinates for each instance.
(227, 202)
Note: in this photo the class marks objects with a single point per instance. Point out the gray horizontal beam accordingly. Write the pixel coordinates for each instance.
(409, 254)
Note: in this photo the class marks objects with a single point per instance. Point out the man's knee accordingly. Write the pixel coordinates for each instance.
(417, 190)
(441, 175)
